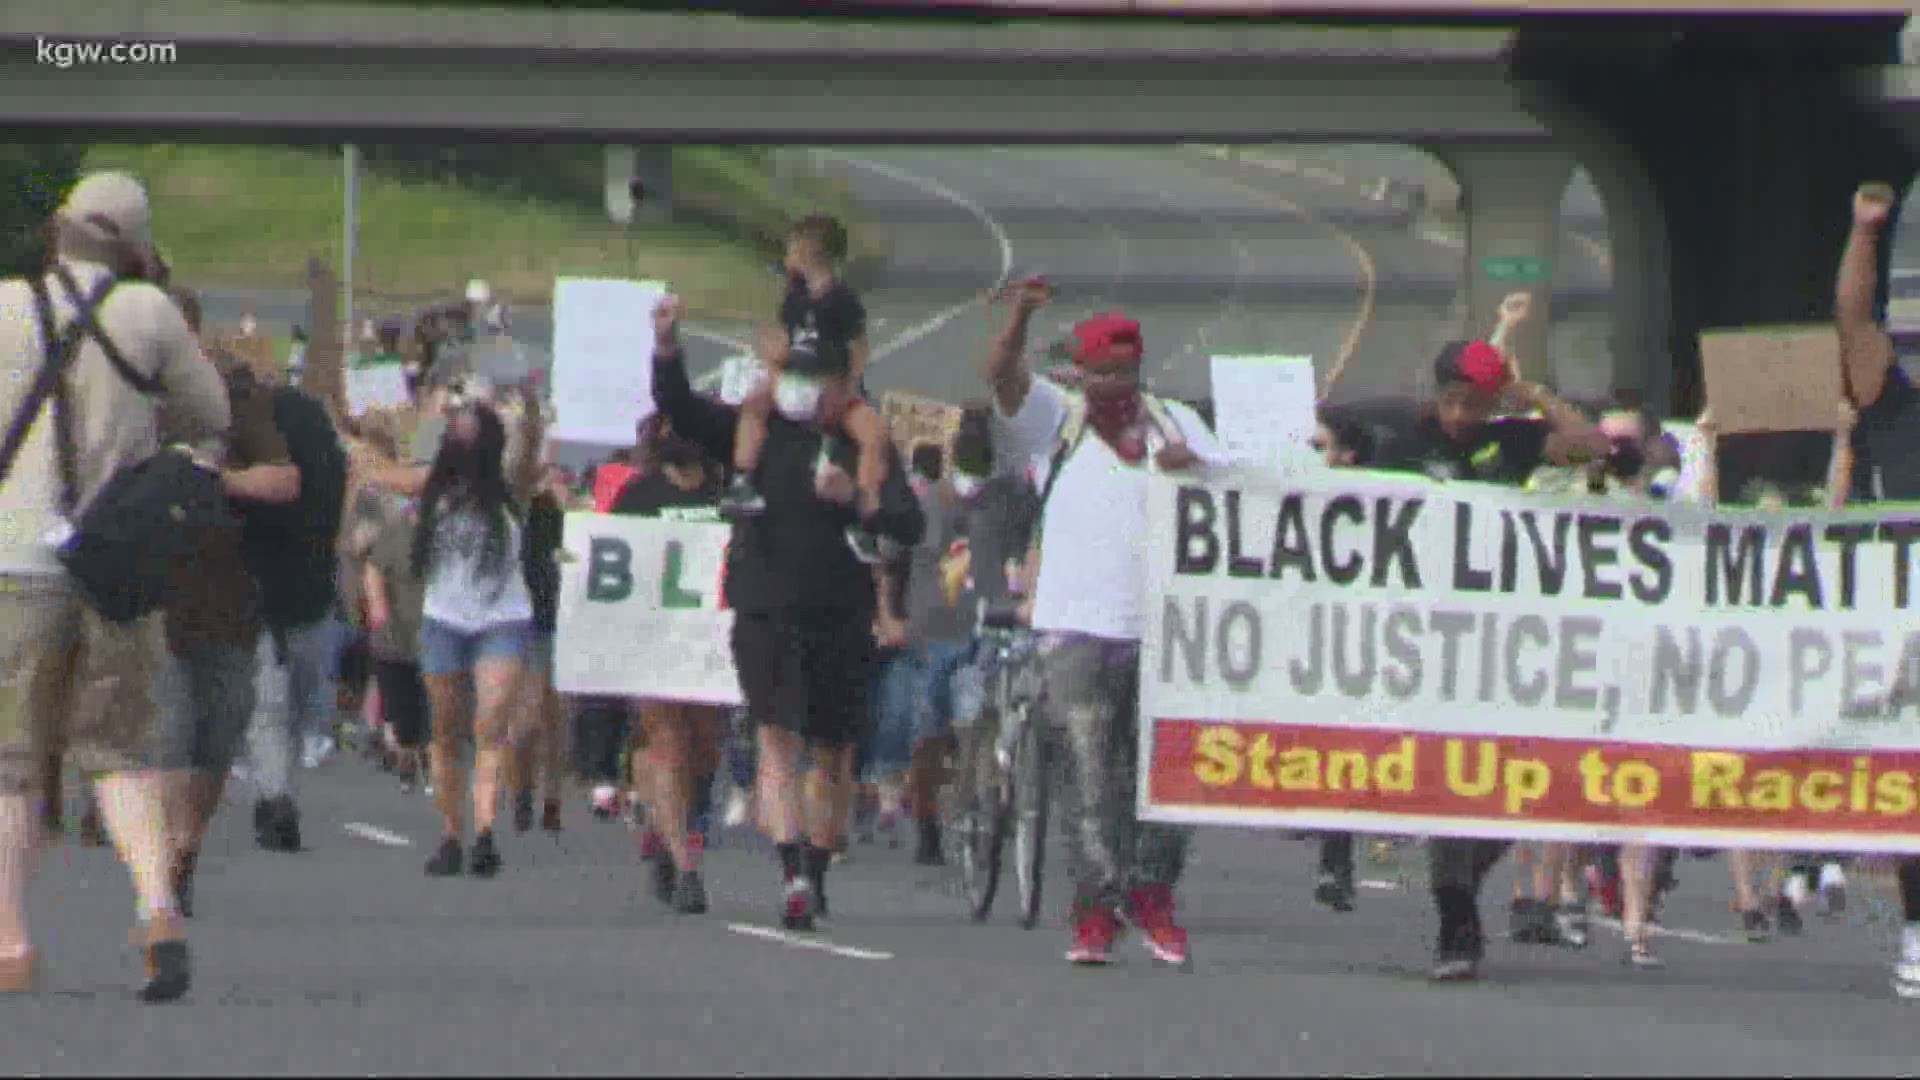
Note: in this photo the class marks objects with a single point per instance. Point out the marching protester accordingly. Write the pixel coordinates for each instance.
(538, 759)
(292, 551)
(1099, 443)
(915, 693)
(1886, 447)
(206, 690)
(476, 626)
(682, 738)
(98, 335)
(804, 609)
(396, 608)
(1342, 443)
(1458, 437)
(815, 369)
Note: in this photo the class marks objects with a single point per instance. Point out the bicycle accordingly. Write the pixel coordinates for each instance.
(1004, 790)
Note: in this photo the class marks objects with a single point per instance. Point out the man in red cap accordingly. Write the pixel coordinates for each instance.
(1477, 429)
(1097, 445)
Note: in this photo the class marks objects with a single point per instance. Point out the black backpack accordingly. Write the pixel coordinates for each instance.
(121, 551)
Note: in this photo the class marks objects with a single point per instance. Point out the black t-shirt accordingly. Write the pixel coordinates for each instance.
(653, 495)
(290, 548)
(540, 560)
(1505, 451)
(821, 330)
(794, 556)
(1886, 444)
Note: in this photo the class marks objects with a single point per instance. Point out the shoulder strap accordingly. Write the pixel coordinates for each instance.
(57, 353)
(87, 318)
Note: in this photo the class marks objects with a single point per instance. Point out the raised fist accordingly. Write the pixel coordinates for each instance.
(1515, 308)
(1872, 203)
(666, 320)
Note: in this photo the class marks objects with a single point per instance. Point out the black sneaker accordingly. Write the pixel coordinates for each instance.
(448, 860)
(523, 810)
(664, 873)
(741, 500)
(486, 857)
(1787, 917)
(1754, 924)
(1524, 921)
(281, 830)
(550, 816)
(93, 831)
(1334, 892)
(689, 893)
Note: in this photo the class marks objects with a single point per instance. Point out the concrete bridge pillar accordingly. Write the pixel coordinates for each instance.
(1510, 199)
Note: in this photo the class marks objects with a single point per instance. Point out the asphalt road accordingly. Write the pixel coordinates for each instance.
(346, 959)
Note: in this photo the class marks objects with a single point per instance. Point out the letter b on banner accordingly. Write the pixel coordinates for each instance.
(609, 571)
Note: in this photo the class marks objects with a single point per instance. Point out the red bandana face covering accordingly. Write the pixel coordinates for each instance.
(1113, 412)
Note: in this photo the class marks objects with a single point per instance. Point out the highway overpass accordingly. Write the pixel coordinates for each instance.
(1723, 149)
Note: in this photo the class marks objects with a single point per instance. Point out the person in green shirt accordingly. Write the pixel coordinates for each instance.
(395, 596)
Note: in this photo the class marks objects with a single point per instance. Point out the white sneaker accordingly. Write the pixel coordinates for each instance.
(1799, 890)
(738, 809)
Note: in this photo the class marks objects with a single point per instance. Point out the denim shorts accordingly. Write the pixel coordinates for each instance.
(540, 652)
(913, 700)
(448, 650)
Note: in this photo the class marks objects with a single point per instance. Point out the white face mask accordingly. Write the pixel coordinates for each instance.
(966, 486)
(797, 399)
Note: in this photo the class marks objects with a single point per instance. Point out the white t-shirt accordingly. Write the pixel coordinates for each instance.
(1094, 526)
(460, 593)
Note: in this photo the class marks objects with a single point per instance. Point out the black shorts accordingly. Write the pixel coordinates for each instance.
(807, 674)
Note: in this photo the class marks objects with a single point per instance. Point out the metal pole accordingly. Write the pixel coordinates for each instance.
(349, 236)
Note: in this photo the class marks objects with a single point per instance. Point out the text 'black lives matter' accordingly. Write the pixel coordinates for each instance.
(1603, 544)
(1346, 539)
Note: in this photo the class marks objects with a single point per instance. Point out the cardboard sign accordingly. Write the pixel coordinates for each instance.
(1777, 378)
(919, 421)
(254, 349)
(1264, 408)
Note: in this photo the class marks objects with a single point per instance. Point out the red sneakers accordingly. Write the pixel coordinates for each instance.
(1150, 909)
(1095, 927)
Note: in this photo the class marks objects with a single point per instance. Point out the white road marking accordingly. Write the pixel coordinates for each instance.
(767, 933)
(918, 331)
(1678, 932)
(376, 834)
(1385, 886)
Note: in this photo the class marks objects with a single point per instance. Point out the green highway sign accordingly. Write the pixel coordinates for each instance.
(1514, 268)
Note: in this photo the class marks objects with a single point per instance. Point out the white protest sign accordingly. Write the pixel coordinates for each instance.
(640, 610)
(740, 376)
(1347, 650)
(602, 381)
(376, 386)
(1264, 407)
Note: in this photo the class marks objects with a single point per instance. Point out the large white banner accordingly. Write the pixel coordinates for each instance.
(1348, 650)
(602, 380)
(642, 610)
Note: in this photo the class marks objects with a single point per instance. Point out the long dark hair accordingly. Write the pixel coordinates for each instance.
(469, 477)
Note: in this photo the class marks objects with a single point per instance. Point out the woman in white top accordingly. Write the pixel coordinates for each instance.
(478, 624)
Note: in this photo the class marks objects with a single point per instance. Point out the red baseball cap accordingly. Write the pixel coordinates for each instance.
(1109, 335)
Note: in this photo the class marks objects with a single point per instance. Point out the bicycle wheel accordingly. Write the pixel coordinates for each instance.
(980, 826)
(1030, 806)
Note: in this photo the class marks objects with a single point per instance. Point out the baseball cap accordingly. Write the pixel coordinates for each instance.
(1475, 363)
(1110, 335)
(109, 206)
